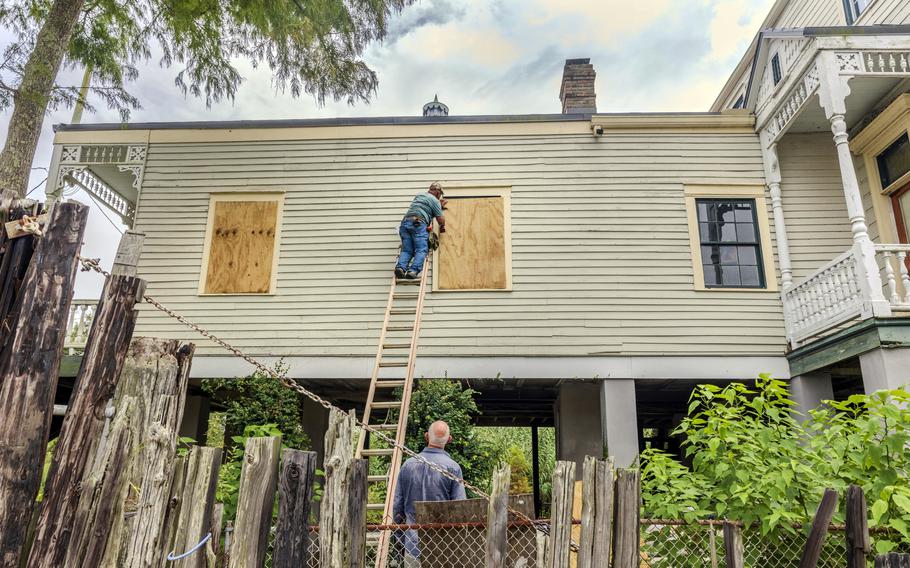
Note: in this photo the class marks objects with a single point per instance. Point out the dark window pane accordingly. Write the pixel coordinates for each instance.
(726, 213)
(730, 276)
(747, 256)
(728, 255)
(744, 213)
(728, 232)
(702, 211)
(708, 254)
(704, 230)
(710, 275)
(750, 276)
(775, 69)
(745, 232)
(894, 161)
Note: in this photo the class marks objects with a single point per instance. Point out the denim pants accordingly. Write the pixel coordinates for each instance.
(414, 245)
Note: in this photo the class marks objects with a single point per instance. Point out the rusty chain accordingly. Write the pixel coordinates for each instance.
(94, 264)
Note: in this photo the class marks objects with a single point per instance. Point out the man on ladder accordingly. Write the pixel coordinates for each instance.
(415, 230)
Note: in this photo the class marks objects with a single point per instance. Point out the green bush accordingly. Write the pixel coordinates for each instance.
(752, 460)
(258, 400)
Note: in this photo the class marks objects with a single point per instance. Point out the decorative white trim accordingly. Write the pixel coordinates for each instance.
(137, 171)
(136, 153)
(70, 153)
(65, 172)
(792, 104)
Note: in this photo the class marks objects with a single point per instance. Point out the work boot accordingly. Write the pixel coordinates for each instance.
(399, 272)
(411, 275)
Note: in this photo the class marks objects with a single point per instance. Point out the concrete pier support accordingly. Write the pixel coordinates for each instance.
(578, 423)
(195, 422)
(619, 416)
(809, 390)
(315, 423)
(885, 369)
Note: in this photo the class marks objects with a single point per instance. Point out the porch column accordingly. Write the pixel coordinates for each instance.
(773, 179)
(885, 369)
(809, 390)
(620, 420)
(833, 89)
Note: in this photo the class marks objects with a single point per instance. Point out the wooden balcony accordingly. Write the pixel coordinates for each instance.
(837, 294)
(82, 313)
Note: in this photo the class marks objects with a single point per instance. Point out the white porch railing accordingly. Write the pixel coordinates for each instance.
(82, 313)
(833, 295)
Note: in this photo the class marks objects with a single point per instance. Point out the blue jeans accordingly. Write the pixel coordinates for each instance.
(415, 245)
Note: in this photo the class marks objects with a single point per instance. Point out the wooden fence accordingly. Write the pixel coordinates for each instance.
(118, 494)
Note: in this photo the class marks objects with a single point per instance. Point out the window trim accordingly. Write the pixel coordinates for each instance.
(456, 189)
(777, 74)
(215, 197)
(852, 17)
(692, 193)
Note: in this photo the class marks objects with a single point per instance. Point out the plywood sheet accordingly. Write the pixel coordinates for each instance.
(242, 247)
(472, 253)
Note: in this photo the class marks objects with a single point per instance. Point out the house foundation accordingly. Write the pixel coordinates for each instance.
(619, 415)
(885, 368)
(809, 390)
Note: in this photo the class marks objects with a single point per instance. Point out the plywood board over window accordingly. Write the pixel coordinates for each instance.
(241, 244)
(475, 251)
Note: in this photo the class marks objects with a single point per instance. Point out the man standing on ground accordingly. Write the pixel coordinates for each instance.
(417, 482)
(414, 233)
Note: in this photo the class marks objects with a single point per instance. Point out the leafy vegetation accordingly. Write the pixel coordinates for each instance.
(748, 457)
(258, 400)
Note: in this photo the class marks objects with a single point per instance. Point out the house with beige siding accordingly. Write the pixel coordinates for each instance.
(597, 266)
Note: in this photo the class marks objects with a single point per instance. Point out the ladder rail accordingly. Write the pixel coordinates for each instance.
(382, 552)
(375, 375)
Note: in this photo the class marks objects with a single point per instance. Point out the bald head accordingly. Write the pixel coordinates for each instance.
(438, 435)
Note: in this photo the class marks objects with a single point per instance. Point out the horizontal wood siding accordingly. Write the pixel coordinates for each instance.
(811, 13)
(601, 258)
(886, 12)
(813, 201)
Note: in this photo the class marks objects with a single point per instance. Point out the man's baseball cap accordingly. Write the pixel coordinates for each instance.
(437, 186)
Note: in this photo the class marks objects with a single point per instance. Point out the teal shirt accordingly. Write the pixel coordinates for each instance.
(426, 207)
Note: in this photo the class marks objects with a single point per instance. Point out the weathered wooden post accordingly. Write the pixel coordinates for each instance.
(561, 515)
(295, 491)
(357, 512)
(892, 560)
(99, 373)
(337, 544)
(733, 546)
(139, 442)
(497, 547)
(29, 369)
(857, 533)
(258, 479)
(197, 506)
(816, 540)
(626, 539)
(596, 514)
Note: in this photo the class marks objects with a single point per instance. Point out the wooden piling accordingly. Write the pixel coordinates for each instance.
(139, 443)
(196, 516)
(29, 369)
(497, 546)
(813, 550)
(357, 512)
(597, 514)
(99, 373)
(334, 527)
(563, 488)
(295, 492)
(892, 560)
(258, 479)
(857, 533)
(626, 539)
(733, 546)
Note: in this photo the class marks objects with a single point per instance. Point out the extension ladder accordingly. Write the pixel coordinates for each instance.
(384, 410)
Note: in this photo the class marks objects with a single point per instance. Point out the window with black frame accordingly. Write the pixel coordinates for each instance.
(731, 254)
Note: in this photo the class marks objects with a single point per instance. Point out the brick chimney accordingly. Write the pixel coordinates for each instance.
(577, 90)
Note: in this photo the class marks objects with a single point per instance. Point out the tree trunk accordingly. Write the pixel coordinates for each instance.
(32, 96)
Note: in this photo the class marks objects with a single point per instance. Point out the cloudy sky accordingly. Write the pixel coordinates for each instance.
(480, 57)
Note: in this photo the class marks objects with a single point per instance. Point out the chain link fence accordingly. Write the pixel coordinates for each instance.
(664, 544)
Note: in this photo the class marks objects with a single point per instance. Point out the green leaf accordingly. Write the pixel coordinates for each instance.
(879, 508)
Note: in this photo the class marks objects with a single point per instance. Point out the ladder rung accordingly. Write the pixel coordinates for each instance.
(400, 328)
(407, 294)
(394, 364)
(402, 311)
(377, 478)
(379, 452)
(384, 426)
(375, 506)
(408, 282)
(396, 345)
(389, 384)
(387, 404)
